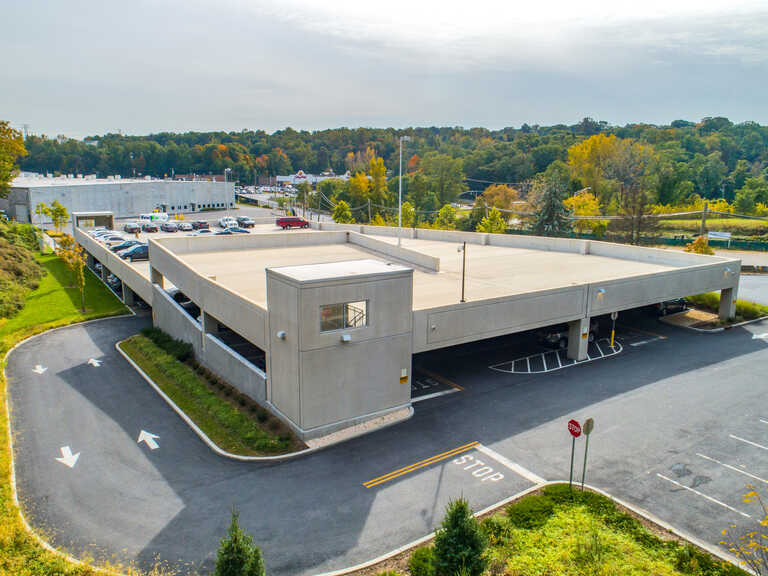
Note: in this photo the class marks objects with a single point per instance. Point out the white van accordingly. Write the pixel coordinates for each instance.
(153, 217)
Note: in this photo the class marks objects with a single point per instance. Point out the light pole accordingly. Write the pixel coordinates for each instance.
(132, 166)
(400, 190)
(226, 170)
(463, 250)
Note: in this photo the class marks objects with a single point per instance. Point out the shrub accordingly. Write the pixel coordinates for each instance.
(238, 555)
(19, 274)
(182, 351)
(422, 562)
(700, 246)
(530, 512)
(459, 542)
(498, 529)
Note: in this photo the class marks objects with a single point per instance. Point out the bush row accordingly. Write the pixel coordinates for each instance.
(182, 351)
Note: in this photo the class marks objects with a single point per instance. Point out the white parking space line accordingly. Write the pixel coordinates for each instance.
(433, 395)
(509, 366)
(734, 468)
(642, 342)
(516, 468)
(763, 421)
(755, 444)
(713, 500)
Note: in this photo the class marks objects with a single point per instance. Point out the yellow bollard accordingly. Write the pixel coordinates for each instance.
(613, 332)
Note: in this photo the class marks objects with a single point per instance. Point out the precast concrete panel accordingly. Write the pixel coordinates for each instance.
(283, 353)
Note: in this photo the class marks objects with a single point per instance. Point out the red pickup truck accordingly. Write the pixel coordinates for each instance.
(292, 222)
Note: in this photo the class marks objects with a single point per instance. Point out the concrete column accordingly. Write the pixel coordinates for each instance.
(578, 339)
(155, 276)
(129, 298)
(210, 324)
(104, 273)
(728, 303)
(89, 260)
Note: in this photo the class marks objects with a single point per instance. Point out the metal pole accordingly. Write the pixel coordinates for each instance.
(584, 470)
(369, 210)
(400, 194)
(613, 331)
(703, 228)
(463, 269)
(573, 449)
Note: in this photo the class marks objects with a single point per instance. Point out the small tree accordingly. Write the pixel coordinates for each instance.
(551, 216)
(459, 542)
(342, 214)
(446, 218)
(700, 246)
(238, 555)
(378, 220)
(78, 270)
(408, 215)
(751, 547)
(494, 223)
(67, 249)
(58, 214)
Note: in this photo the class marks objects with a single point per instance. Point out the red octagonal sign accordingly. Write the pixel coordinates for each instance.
(574, 428)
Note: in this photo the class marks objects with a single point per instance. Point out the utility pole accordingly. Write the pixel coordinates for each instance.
(400, 190)
(369, 210)
(703, 229)
(463, 250)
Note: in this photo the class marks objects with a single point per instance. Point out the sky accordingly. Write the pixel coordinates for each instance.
(88, 67)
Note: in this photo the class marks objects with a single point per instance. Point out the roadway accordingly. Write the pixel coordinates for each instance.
(672, 411)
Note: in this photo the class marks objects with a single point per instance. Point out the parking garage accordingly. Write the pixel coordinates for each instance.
(321, 326)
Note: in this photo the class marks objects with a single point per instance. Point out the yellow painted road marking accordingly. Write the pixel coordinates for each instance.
(441, 379)
(420, 464)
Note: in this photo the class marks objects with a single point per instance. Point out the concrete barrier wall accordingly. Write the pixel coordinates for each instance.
(119, 267)
(236, 370)
(616, 295)
(411, 256)
(240, 314)
(652, 255)
(452, 236)
(572, 245)
(281, 239)
(172, 319)
(470, 321)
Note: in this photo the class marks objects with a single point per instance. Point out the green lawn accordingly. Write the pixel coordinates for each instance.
(737, 226)
(229, 419)
(51, 304)
(745, 310)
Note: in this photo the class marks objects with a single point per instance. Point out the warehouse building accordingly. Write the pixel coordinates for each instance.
(338, 312)
(125, 198)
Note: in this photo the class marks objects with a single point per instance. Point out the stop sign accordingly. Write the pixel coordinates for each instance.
(574, 428)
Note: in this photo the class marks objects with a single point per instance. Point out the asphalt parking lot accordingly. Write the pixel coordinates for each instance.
(679, 430)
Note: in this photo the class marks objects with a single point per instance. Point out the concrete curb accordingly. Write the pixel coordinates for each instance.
(713, 550)
(717, 330)
(14, 491)
(220, 451)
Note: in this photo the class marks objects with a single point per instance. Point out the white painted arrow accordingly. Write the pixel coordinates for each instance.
(760, 336)
(39, 369)
(149, 439)
(67, 458)
(95, 363)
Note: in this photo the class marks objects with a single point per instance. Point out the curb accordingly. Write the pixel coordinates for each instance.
(220, 451)
(709, 548)
(720, 329)
(14, 492)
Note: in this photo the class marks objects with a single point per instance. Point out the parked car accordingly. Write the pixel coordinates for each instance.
(169, 227)
(185, 227)
(245, 222)
(670, 306)
(102, 232)
(149, 227)
(97, 230)
(557, 336)
(232, 230)
(124, 245)
(292, 222)
(227, 222)
(131, 227)
(111, 240)
(139, 252)
(200, 225)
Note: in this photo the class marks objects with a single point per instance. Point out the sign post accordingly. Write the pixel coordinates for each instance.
(589, 425)
(575, 429)
(614, 315)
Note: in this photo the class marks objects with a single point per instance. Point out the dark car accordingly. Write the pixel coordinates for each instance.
(292, 222)
(138, 252)
(557, 336)
(124, 245)
(670, 306)
(245, 222)
(149, 227)
(200, 225)
(131, 227)
(169, 227)
(232, 230)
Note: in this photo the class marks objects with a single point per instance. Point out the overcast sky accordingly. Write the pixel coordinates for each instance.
(83, 67)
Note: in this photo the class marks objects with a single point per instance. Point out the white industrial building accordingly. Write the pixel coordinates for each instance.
(338, 312)
(125, 198)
